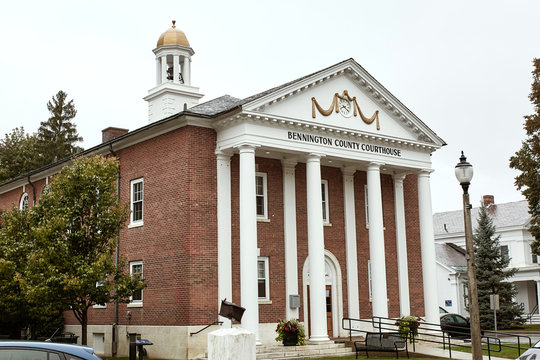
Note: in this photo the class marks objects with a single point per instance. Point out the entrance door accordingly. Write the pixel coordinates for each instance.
(329, 321)
(329, 310)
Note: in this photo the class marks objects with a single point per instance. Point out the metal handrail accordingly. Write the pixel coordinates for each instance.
(206, 327)
(533, 312)
(432, 333)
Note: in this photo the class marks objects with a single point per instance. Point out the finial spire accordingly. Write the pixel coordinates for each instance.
(174, 24)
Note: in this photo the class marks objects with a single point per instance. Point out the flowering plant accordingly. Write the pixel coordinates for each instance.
(408, 326)
(291, 326)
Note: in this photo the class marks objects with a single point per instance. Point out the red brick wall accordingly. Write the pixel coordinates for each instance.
(416, 292)
(13, 197)
(178, 241)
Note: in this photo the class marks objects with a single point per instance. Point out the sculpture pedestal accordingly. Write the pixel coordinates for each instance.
(231, 344)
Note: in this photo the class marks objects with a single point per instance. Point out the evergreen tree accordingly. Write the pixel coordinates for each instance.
(492, 273)
(527, 160)
(18, 154)
(58, 135)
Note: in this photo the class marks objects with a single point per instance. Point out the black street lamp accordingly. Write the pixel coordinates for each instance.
(464, 174)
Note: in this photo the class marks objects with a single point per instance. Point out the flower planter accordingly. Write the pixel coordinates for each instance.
(290, 338)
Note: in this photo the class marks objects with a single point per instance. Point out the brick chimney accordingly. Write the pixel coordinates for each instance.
(489, 202)
(111, 133)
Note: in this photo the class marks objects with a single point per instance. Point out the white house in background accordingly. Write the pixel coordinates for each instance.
(511, 222)
(451, 277)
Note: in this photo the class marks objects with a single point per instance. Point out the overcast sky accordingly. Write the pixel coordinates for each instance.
(463, 67)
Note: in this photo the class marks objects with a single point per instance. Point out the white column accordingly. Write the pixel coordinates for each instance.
(158, 71)
(187, 70)
(289, 228)
(176, 69)
(317, 294)
(427, 243)
(538, 297)
(401, 246)
(224, 230)
(164, 69)
(376, 242)
(248, 240)
(350, 242)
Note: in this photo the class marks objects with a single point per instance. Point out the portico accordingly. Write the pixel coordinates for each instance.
(277, 126)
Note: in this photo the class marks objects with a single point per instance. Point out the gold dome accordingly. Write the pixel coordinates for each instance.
(173, 36)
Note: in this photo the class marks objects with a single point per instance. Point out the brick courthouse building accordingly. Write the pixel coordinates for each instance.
(264, 201)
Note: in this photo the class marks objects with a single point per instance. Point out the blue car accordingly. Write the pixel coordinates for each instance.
(35, 350)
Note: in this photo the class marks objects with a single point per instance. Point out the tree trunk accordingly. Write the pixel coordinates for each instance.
(84, 326)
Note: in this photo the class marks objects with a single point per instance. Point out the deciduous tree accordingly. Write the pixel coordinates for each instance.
(18, 154)
(527, 160)
(68, 243)
(79, 221)
(17, 311)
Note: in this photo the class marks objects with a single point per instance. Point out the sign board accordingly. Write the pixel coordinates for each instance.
(494, 302)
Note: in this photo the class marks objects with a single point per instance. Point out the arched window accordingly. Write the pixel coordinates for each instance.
(23, 204)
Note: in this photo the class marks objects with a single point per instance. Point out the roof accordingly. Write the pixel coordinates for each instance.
(503, 215)
(226, 103)
(215, 106)
(173, 36)
(450, 255)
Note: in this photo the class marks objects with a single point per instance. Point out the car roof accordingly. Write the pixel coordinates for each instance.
(67, 348)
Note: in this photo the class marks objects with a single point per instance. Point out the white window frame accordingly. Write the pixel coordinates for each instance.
(325, 206)
(266, 277)
(264, 195)
(22, 203)
(138, 222)
(134, 303)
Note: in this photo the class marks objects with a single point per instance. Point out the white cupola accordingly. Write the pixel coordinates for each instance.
(173, 92)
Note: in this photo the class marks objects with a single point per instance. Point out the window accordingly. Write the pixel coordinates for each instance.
(534, 259)
(23, 204)
(262, 278)
(99, 284)
(260, 193)
(505, 253)
(325, 211)
(137, 194)
(136, 269)
(23, 354)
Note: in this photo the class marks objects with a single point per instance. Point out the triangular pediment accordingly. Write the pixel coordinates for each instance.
(344, 97)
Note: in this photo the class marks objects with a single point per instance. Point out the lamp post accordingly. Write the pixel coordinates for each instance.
(464, 174)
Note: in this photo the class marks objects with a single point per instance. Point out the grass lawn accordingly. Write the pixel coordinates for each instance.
(523, 328)
(506, 352)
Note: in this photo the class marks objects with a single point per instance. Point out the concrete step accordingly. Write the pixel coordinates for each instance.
(280, 352)
(535, 319)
